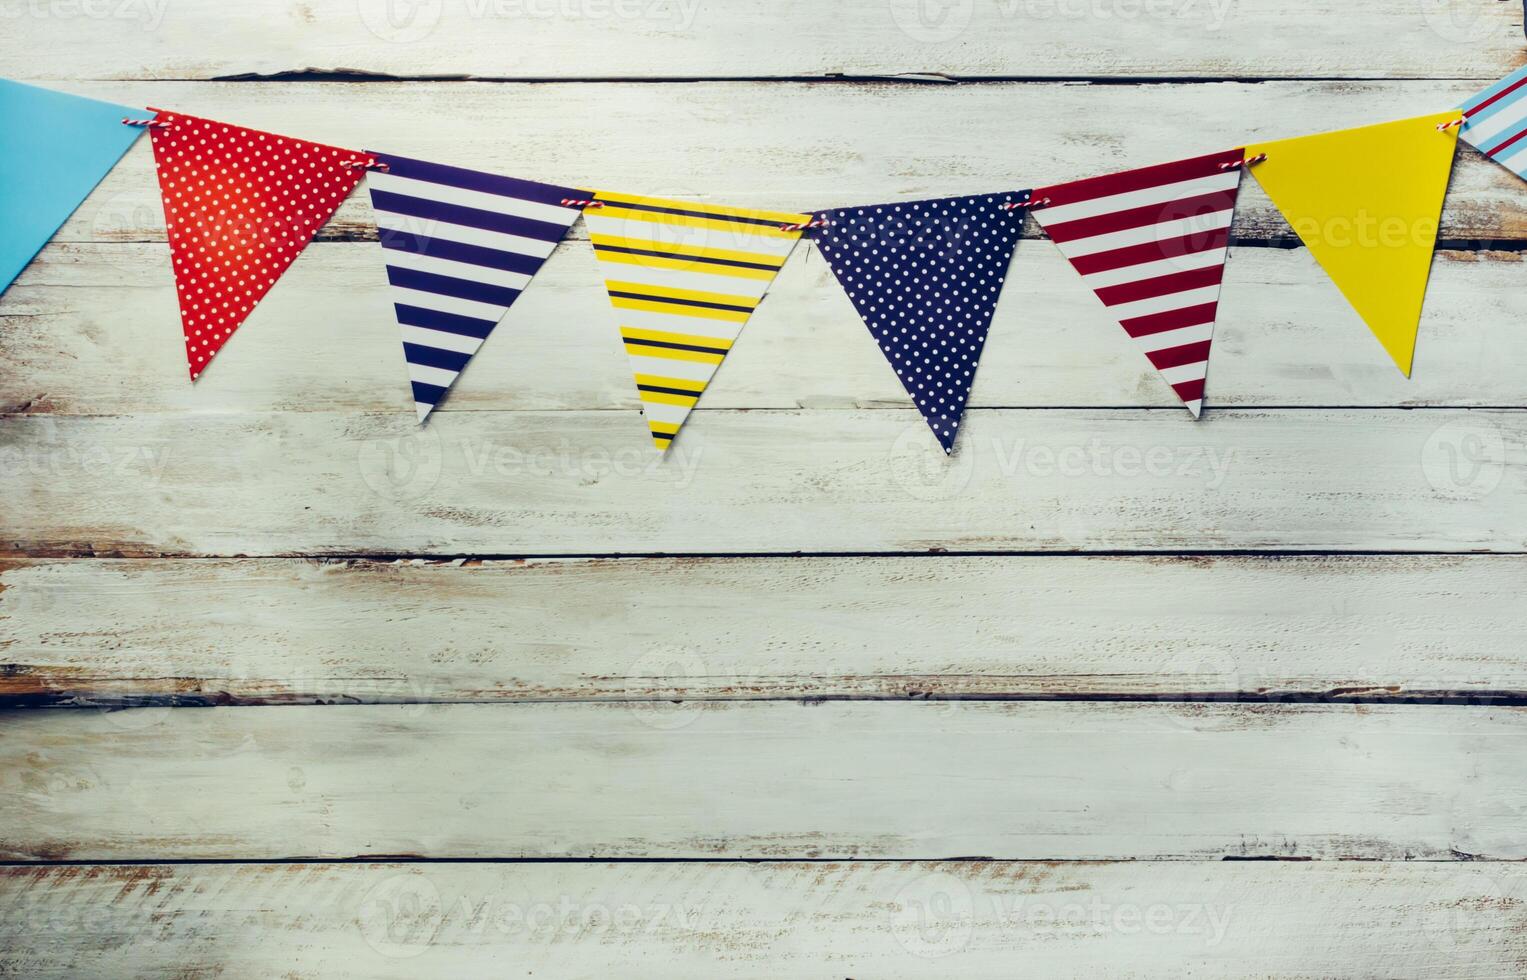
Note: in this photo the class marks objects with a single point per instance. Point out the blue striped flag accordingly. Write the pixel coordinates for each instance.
(1495, 122)
(460, 247)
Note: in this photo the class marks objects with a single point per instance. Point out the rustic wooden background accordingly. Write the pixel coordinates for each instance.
(1109, 692)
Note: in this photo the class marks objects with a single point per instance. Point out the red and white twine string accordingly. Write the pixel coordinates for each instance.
(146, 123)
(578, 202)
(1031, 204)
(1444, 127)
(1243, 162)
(370, 164)
(802, 226)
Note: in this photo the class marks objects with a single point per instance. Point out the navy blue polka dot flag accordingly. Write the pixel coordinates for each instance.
(925, 277)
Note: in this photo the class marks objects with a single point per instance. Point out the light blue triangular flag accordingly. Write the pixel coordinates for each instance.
(1495, 122)
(54, 149)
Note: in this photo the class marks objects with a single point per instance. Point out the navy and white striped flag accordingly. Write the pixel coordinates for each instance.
(460, 247)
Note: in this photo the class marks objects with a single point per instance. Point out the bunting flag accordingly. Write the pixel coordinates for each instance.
(1495, 122)
(1366, 202)
(1152, 244)
(460, 247)
(54, 149)
(925, 277)
(239, 205)
(683, 279)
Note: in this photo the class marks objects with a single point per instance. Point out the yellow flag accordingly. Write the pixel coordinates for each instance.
(683, 278)
(1366, 202)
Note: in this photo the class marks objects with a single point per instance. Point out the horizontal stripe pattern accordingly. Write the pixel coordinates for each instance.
(460, 246)
(683, 278)
(1495, 122)
(1152, 244)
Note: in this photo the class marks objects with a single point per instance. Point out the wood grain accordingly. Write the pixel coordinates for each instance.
(537, 39)
(586, 483)
(92, 632)
(767, 779)
(743, 143)
(967, 919)
(678, 743)
(93, 330)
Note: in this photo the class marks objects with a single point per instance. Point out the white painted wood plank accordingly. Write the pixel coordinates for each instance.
(746, 38)
(766, 779)
(277, 631)
(891, 920)
(94, 329)
(589, 483)
(744, 143)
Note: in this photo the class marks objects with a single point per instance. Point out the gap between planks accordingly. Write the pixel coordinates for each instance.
(346, 75)
(424, 861)
(69, 702)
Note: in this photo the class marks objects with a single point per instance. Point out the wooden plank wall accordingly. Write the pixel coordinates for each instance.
(290, 687)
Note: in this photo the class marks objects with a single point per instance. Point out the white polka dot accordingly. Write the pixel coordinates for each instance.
(220, 249)
(925, 276)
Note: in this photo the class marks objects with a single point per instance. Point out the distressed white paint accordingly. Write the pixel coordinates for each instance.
(747, 38)
(774, 921)
(586, 483)
(744, 143)
(1019, 780)
(94, 329)
(272, 453)
(282, 630)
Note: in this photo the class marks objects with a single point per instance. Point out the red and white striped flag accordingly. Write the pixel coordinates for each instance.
(1152, 244)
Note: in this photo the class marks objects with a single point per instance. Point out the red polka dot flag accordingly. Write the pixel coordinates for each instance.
(239, 205)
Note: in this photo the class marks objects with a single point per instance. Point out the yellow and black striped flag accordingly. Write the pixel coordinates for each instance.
(683, 278)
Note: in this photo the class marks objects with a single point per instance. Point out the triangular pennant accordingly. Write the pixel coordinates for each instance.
(54, 149)
(1365, 202)
(239, 204)
(460, 246)
(683, 278)
(925, 277)
(1152, 244)
(1495, 122)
